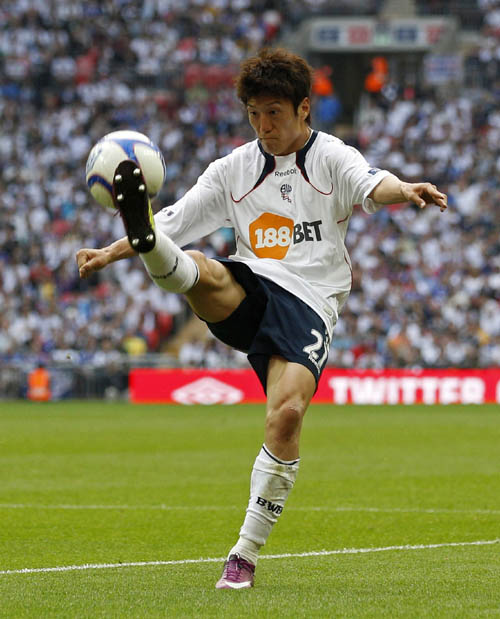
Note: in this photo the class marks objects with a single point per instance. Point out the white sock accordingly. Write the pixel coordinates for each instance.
(169, 267)
(271, 482)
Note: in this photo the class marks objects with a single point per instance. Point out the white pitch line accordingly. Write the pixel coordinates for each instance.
(162, 507)
(401, 510)
(299, 555)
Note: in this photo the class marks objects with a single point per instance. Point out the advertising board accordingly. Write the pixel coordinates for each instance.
(337, 386)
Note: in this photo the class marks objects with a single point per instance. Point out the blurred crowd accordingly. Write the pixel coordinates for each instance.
(426, 287)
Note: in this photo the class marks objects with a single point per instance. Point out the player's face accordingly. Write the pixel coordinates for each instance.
(280, 128)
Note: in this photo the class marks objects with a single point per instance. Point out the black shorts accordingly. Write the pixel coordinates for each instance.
(272, 321)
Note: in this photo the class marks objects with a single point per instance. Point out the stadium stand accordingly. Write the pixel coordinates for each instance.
(426, 288)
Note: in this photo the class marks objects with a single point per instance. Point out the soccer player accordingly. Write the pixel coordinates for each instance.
(289, 195)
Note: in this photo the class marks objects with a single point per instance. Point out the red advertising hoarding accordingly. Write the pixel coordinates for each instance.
(337, 386)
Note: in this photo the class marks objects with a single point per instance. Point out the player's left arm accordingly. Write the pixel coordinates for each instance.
(392, 190)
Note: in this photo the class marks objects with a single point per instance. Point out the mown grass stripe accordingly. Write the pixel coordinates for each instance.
(312, 508)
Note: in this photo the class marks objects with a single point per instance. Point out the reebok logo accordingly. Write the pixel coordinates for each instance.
(207, 391)
(271, 507)
(286, 172)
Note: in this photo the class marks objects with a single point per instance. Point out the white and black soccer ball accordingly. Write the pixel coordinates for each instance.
(114, 148)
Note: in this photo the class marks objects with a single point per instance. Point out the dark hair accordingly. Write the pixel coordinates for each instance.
(275, 72)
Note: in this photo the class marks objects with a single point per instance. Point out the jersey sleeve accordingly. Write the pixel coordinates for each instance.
(357, 179)
(201, 211)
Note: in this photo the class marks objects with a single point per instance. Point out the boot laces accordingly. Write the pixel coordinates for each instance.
(234, 566)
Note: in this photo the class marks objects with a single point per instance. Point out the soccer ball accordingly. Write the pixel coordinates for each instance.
(114, 148)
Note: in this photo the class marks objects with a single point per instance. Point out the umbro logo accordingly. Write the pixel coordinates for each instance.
(207, 390)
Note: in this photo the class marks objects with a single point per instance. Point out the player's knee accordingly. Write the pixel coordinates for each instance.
(216, 294)
(212, 273)
(202, 263)
(283, 422)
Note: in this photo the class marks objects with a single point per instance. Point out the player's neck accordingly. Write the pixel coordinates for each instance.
(308, 137)
(301, 141)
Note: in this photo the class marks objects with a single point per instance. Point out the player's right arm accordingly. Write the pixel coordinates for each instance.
(91, 260)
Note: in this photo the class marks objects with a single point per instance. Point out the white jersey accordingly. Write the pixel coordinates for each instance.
(289, 213)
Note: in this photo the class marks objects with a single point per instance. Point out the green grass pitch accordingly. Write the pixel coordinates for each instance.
(112, 484)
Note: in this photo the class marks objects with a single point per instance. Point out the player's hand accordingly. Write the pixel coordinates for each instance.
(423, 194)
(91, 260)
